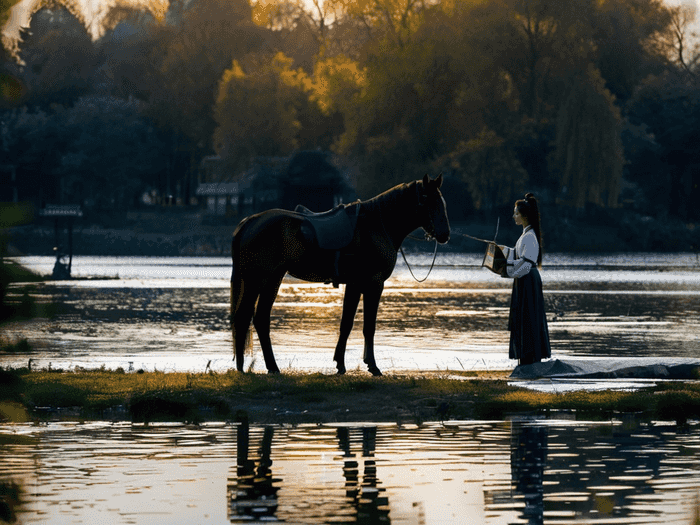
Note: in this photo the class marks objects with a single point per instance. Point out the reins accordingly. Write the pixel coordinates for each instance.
(432, 265)
(483, 240)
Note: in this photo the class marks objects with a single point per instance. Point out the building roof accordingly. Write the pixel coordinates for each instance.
(208, 189)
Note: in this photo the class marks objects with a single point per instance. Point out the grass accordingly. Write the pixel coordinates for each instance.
(316, 398)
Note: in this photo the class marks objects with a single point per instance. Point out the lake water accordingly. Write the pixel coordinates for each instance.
(506, 472)
(173, 314)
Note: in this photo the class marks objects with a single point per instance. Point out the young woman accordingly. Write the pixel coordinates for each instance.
(529, 336)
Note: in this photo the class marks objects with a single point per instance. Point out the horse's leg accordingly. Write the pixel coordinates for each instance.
(261, 321)
(371, 297)
(350, 302)
(240, 322)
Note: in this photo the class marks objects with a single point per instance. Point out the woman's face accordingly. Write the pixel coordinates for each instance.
(520, 220)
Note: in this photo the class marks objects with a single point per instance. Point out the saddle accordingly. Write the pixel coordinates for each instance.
(330, 230)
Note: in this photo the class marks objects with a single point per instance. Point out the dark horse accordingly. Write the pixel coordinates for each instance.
(270, 244)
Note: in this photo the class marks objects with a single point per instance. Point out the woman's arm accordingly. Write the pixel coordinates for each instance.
(528, 249)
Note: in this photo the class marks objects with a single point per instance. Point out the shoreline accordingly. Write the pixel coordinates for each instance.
(146, 397)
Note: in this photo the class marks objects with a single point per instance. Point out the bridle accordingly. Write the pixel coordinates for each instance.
(422, 209)
(428, 236)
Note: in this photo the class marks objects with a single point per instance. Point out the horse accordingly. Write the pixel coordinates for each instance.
(268, 245)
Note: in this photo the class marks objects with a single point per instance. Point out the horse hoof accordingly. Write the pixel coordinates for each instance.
(273, 372)
(341, 371)
(375, 371)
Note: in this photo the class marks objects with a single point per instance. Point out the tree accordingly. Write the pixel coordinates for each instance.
(133, 46)
(113, 154)
(490, 170)
(59, 57)
(589, 155)
(625, 49)
(678, 43)
(11, 87)
(668, 109)
(33, 142)
(257, 109)
(208, 36)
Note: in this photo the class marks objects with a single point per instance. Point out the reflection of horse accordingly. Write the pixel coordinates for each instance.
(253, 494)
(367, 497)
(270, 244)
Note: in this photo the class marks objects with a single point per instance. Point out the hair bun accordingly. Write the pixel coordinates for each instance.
(529, 196)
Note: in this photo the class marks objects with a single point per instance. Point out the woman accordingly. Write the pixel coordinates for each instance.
(529, 336)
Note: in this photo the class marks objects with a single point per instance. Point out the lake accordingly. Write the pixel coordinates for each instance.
(173, 314)
(503, 472)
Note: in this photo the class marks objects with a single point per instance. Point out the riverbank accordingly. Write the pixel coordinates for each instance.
(172, 233)
(315, 398)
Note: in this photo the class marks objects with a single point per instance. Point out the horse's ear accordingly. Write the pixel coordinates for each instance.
(426, 181)
(439, 180)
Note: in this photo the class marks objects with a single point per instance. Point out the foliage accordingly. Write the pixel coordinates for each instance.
(5, 6)
(265, 107)
(553, 95)
(256, 109)
(113, 155)
(490, 169)
(667, 110)
(58, 58)
(588, 145)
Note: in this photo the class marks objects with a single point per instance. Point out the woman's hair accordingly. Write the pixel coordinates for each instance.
(529, 209)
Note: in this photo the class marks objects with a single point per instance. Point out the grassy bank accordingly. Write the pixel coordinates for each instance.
(316, 398)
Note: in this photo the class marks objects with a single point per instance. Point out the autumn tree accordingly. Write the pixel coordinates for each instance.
(260, 102)
(490, 169)
(11, 87)
(133, 46)
(589, 155)
(625, 33)
(207, 37)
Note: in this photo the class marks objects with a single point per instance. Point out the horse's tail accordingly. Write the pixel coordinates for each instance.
(237, 288)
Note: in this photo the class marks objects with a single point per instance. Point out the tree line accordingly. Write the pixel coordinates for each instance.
(593, 104)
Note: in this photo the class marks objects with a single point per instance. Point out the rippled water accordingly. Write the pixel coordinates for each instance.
(456, 473)
(173, 314)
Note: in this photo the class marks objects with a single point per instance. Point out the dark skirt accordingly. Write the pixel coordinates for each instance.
(529, 336)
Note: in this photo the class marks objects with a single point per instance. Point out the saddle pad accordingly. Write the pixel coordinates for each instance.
(333, 229)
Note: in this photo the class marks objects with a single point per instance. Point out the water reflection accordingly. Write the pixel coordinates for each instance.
(253, 493)
(610, 473)
(527, 463)
(364, 493)
(502, 473)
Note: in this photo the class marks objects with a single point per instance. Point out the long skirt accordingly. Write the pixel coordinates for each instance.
(529, 335)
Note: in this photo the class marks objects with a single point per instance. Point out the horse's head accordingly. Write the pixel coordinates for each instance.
(432, 209)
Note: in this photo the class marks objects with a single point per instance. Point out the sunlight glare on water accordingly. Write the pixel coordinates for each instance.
(521, 471)
(173, 314)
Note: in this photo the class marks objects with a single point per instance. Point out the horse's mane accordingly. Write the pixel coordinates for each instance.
(389, 196)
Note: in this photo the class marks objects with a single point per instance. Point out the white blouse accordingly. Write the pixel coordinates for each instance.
(527, 249)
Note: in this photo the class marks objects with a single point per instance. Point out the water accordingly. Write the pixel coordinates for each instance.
(504, 472)
(173, 314)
